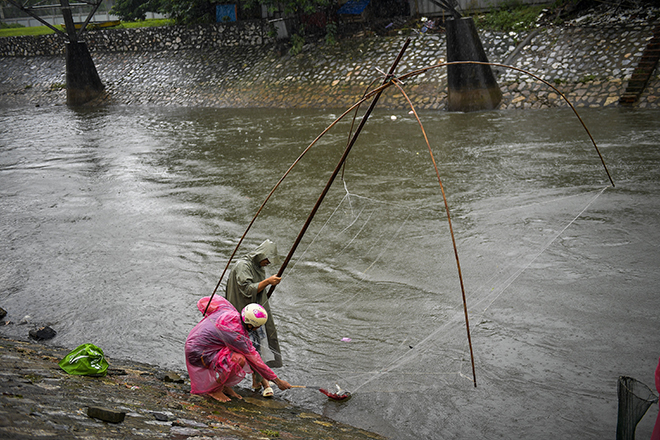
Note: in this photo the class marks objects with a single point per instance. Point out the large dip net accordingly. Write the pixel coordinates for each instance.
(635, 398)
(366, 254)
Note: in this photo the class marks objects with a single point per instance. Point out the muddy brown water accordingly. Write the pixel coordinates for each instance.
(115, 221)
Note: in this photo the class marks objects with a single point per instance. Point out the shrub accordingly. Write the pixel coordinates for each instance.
(510, 17)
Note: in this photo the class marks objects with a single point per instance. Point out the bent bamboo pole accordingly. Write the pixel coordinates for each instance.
(387, 82)
(339, 165)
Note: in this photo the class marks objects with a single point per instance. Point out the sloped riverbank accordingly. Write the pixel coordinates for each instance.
(588, 61)
(40, 400)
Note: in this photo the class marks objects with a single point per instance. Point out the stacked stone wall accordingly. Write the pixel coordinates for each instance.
(203, 66)
(148, 39)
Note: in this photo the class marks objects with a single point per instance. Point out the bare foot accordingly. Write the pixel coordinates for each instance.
(219, 395)
(232, 393)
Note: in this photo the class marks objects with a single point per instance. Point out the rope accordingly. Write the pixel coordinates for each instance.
(519, 272)
(409, 356)
(347, 198)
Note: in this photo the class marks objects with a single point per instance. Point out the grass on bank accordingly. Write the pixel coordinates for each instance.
(510, 17)
(17, 31)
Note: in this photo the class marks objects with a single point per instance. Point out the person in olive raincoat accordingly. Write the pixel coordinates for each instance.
(247, 283)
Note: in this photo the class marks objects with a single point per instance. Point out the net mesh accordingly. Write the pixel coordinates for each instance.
(635, 398)
(364, 255)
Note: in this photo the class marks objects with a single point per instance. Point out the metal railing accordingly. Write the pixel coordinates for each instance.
(57, 20)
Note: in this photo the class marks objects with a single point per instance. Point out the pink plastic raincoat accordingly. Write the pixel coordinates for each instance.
(210, 345)
(656, 429)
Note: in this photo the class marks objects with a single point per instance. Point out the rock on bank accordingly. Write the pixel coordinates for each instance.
(590, 65)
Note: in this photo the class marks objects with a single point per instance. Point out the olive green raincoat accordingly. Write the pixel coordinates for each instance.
(242, 286)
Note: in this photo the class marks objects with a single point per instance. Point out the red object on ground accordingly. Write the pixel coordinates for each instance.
(345, 395)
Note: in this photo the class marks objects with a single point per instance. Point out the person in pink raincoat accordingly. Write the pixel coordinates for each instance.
(219, 351)
(656, 429)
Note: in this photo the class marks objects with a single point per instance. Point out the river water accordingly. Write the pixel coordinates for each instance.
(115, 221)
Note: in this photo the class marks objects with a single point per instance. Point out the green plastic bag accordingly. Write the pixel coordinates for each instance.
(86, 360)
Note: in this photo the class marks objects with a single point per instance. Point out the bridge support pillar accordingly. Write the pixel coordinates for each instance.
(471, 87)
(82, 80)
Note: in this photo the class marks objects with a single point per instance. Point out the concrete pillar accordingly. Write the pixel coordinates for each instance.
(471, 87)
(82, 80)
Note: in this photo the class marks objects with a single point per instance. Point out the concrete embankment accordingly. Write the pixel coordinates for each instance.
(589, 65)
(134, 400)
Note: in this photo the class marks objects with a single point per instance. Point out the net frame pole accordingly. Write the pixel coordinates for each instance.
(387, 78)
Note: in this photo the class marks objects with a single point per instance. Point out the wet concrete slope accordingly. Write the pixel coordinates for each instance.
(40, 400)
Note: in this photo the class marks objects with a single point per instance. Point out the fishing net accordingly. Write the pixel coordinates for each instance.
(635, 398)
(363, 257)
(378, 278)
(375, 281)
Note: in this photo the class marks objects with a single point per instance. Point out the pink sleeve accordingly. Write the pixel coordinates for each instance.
(657, 377)
(258, 365)
(656, 429)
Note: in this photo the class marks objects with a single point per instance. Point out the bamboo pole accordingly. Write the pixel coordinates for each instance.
(387, 79)
(387, 82)
(451, 229)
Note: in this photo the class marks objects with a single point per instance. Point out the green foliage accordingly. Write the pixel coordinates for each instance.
(20, 31)
(272, 31)
(297, 43)
(190, 12)
(134, 10)
(152, 22)
(10, 25)
(34, 378)
(331, 34)
(588, 78)
(290, 6)
(43, 30)
(512, 16)
(298, 7)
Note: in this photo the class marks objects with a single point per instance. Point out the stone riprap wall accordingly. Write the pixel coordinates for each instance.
(589, 65)
(149, 39)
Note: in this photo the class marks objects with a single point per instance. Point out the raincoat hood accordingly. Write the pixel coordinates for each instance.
(203, 303)
(266, 250)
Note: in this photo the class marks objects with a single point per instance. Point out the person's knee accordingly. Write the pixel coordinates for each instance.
(238, 358)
